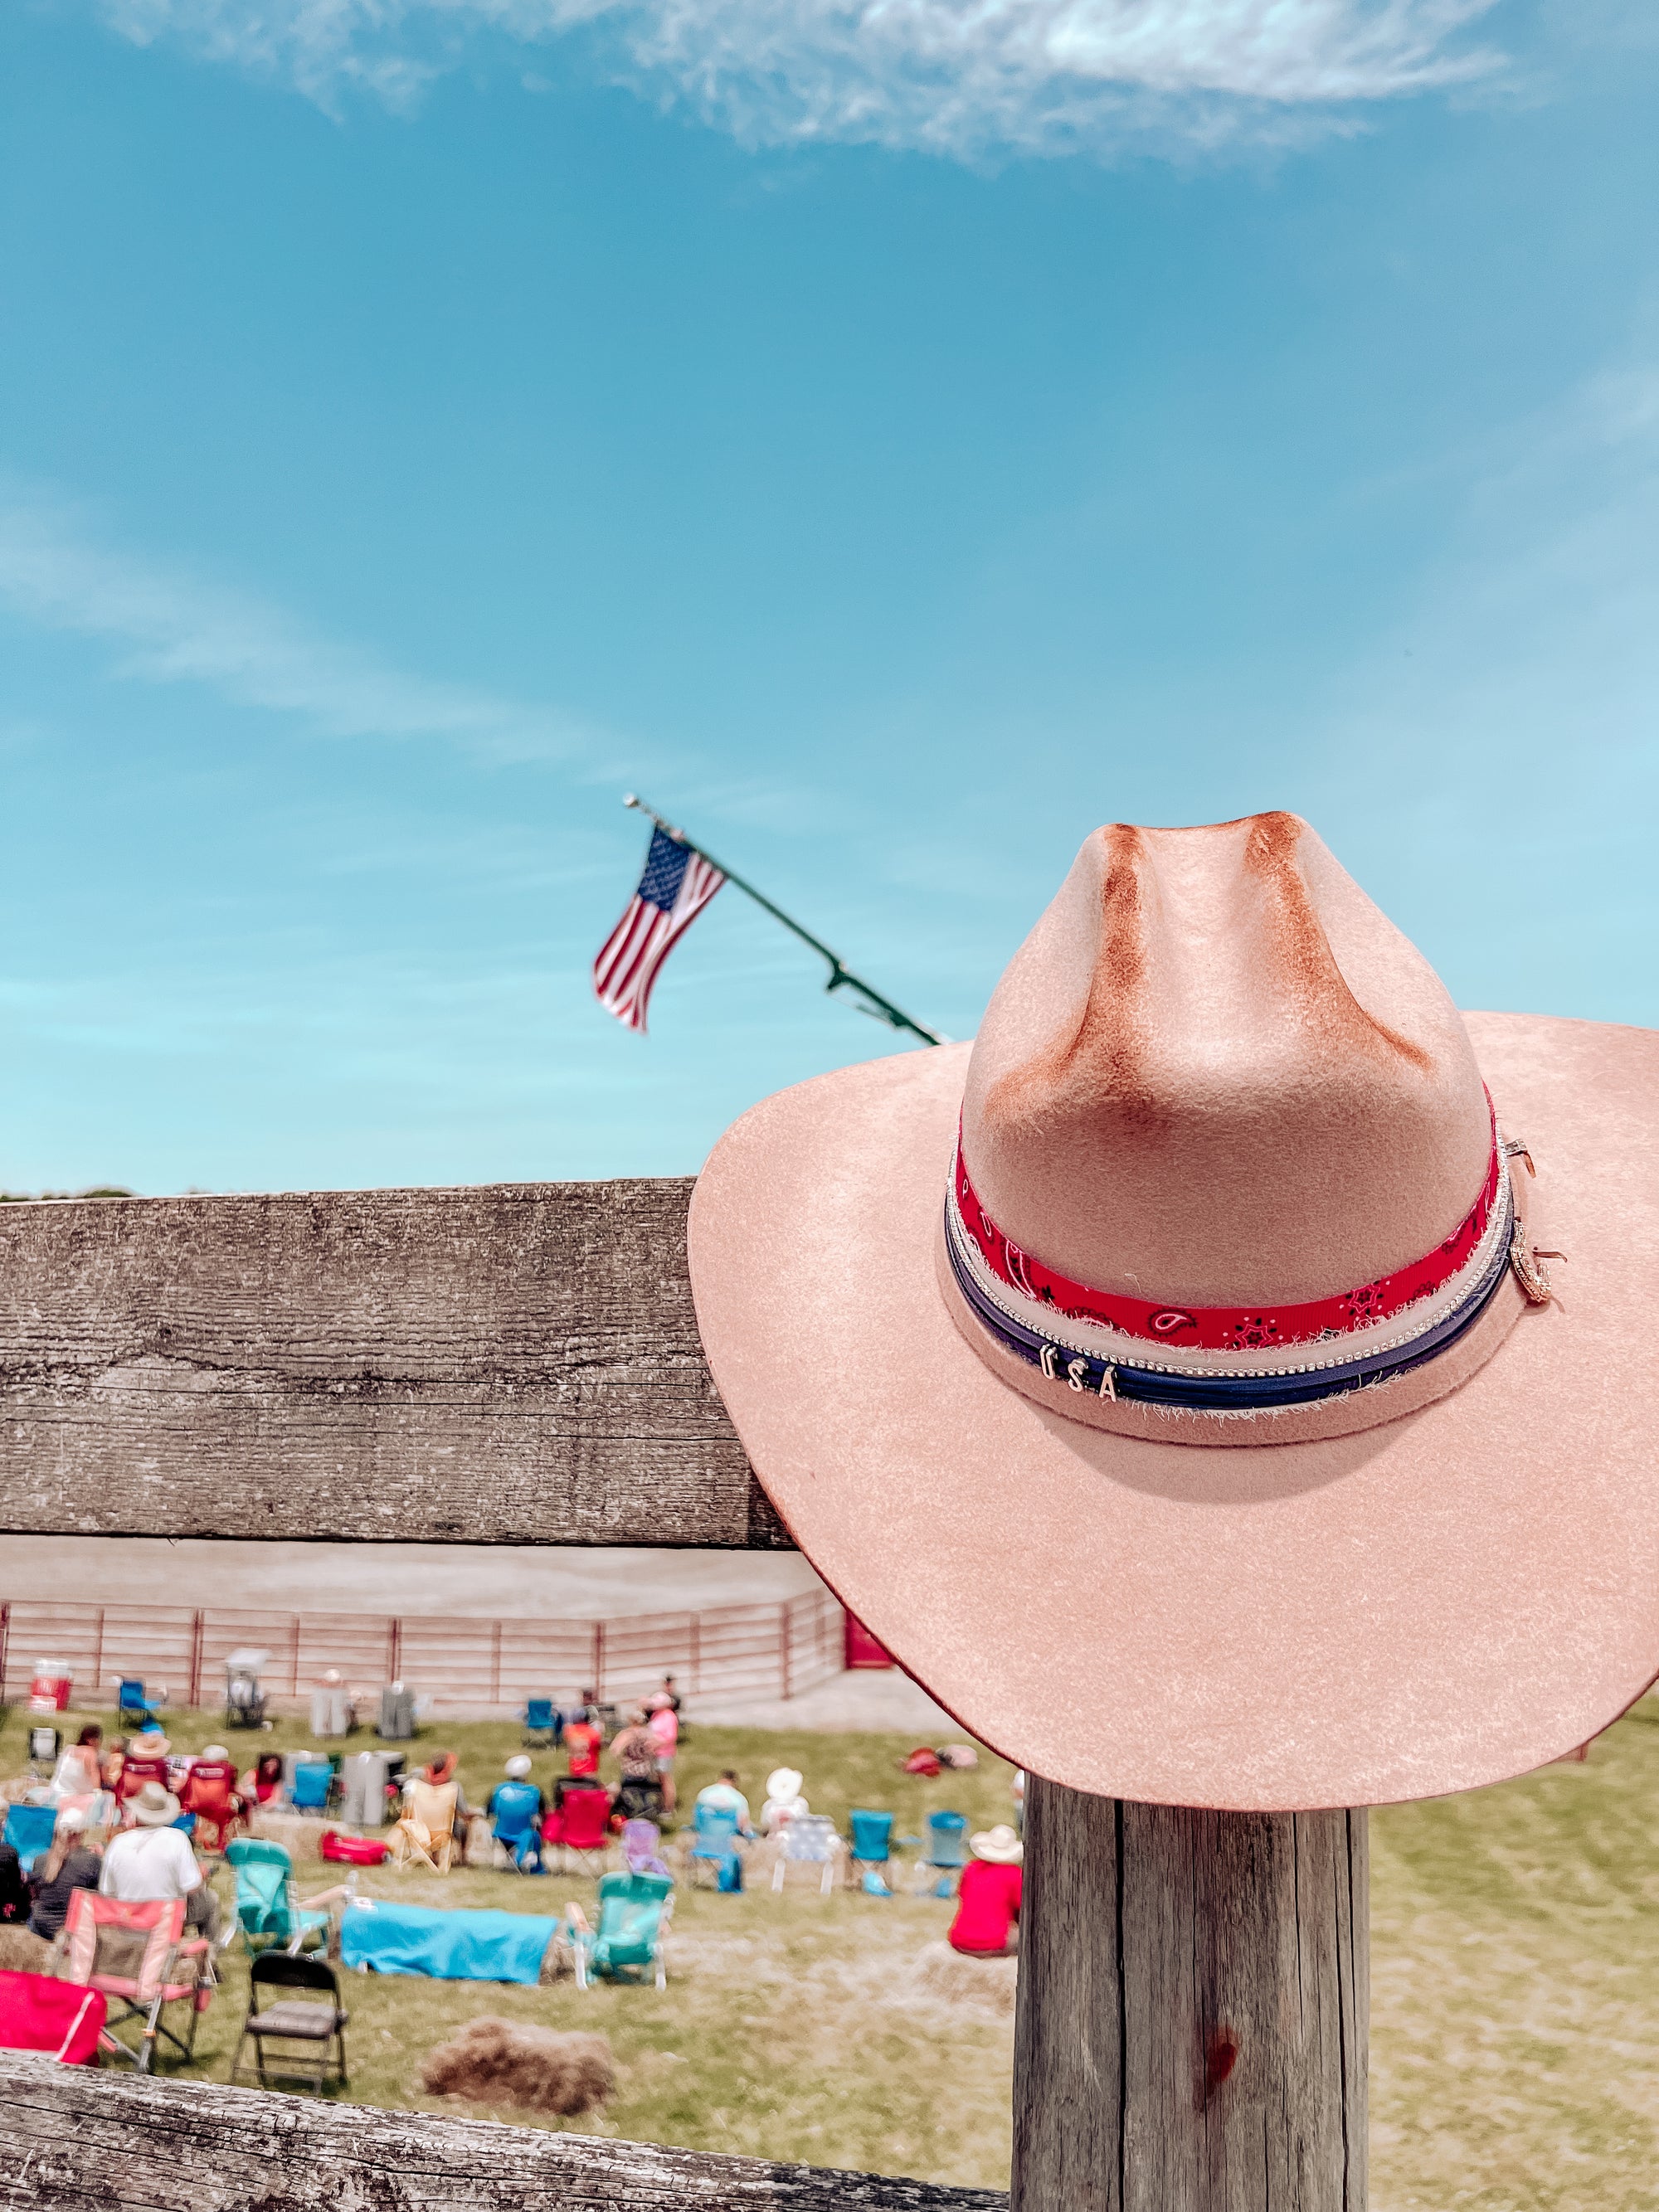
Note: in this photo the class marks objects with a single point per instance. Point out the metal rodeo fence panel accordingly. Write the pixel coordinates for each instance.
(770, 1650)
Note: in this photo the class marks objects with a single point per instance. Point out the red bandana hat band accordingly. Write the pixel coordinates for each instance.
(1227, 1328)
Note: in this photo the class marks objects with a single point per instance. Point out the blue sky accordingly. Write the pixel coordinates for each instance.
(895, 441)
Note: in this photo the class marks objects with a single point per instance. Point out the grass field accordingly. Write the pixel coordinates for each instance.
(1514, 1969)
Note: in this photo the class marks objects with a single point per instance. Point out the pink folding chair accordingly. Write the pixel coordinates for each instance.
(137, 1957)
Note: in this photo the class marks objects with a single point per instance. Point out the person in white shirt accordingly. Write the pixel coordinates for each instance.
(153, 1860)
(725, 1796)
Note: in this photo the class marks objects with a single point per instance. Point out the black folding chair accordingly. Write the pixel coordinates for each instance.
(319, 2020)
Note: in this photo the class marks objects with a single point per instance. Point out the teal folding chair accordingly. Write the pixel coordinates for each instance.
(268, 1918)
(945, 1856)
(626, 1943)
(870, 1848)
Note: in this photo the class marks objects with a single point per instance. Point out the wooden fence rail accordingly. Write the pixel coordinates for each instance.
(79, 2141)
(516, 1365)
(771, 1649)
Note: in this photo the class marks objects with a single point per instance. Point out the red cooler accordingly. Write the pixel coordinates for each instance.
(49, 1691)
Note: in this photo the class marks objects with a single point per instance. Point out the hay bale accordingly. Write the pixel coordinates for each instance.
(22, 1952)
(298, 1834)
(955, 1978)
(506, 2061)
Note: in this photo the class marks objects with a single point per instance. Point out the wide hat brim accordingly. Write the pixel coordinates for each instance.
(1446, 1599)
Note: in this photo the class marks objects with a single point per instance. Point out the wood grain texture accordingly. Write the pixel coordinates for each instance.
(510, 1364)
(1194, 2001)
(78, 2140)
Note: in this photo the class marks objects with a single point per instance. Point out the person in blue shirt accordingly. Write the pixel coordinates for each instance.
(515, 1796)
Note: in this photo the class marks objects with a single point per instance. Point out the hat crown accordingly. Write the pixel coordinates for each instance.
(1216, 1073)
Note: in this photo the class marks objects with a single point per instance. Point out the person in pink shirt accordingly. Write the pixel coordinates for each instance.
(664, 1726)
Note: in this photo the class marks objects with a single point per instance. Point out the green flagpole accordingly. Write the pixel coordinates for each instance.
(869, 1001)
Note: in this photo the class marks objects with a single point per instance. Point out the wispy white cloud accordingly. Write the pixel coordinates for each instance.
(167, 625)
(955, 76)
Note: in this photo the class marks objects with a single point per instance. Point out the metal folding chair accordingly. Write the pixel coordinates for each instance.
(318, 2021)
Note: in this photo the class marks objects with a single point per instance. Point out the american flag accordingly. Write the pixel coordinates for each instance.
(678, 884)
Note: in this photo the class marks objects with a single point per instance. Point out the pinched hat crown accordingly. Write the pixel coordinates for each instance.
(1223, 1128)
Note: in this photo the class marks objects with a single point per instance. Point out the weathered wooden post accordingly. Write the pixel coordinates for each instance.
(1193, 1999)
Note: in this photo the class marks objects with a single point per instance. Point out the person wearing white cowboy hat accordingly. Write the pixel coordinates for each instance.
(989, 1896)
(784, 1801)
(153, 1859)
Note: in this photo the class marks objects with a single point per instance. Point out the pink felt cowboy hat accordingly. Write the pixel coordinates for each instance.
(1180, 1383)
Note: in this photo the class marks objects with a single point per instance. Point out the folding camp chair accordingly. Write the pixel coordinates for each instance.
(810, 1839)
(713, 1842)
(136, 1954)
(584, 1829)
(29, 1832)
(947, 1853)
(543, 1724)
(294, 2020)
(641, 1848)
(209, 1792)
(268, 1915)
(516, 1823)
(313, 1786)
(634, 1911)
(870, 1850)
(138, 1768)
(425, 1835)
(131, 1705)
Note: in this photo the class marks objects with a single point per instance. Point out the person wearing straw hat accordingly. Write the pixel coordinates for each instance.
(1185, 1381)
(989, 1896)
(153, 1859)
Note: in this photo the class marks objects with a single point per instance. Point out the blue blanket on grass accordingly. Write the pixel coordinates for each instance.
(456, 1945)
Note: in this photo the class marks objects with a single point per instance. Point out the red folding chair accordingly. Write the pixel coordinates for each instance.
(208, 1790)
(136, 1956)
(588, 1828)
(138, 1769)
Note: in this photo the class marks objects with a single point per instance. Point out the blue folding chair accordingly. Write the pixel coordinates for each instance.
(515, 1808)
(715, 1846)
(871, 1849)
(29, 1832)
(313, 1780)
(947, 1853)
(544, 1724)
(131, 1705)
